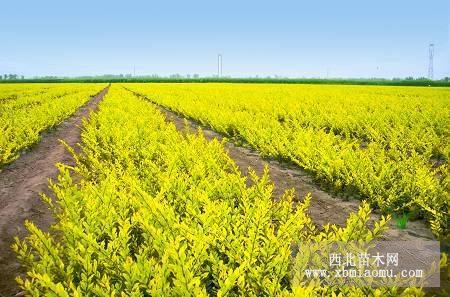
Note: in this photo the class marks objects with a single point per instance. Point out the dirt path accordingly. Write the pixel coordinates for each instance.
(23, 180)
(324, 207)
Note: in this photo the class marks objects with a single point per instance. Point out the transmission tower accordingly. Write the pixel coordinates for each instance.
(430, 60)
(219, 65)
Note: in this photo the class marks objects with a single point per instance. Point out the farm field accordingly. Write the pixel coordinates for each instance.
(26, 110)
(225, 148)
(145, 209)
(159, 213)
(387, 145)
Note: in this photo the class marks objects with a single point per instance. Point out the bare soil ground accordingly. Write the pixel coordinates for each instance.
(22, 182)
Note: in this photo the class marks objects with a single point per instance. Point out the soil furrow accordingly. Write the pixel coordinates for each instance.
(21, 183)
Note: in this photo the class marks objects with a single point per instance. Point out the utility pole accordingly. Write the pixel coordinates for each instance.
(134, 71)
(430, 60)
(219, 65)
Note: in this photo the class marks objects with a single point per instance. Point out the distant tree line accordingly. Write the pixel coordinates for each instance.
(11, 77)
(195, 78)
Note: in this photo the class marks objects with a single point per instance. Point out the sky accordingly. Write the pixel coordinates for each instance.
(265, 38)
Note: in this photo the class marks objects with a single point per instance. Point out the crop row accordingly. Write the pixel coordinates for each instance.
(148, 211)
(26, 111)
(389, 145)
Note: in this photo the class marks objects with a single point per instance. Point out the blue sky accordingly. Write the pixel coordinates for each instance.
(287, 38)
